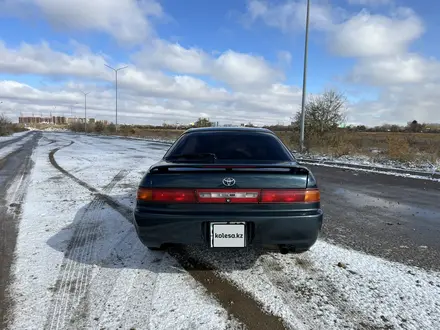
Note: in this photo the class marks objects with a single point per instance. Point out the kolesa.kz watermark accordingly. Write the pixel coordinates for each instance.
(223, 235)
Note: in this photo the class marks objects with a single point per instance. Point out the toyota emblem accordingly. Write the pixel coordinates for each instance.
(228, 182)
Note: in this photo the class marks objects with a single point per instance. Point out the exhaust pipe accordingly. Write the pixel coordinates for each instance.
(283, 249)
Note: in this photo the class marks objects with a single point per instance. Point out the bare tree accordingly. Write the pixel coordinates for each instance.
(323, 113)
(203, 122)
(5, 125)
(76, 127)
(99, 127)
(414, 126)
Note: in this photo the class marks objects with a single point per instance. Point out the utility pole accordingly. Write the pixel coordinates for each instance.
(71, 109)
(85, 110)
(303, 102)
(116, 87)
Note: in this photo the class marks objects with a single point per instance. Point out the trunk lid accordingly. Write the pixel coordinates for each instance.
(285, 175)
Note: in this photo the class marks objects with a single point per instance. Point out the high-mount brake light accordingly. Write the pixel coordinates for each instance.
(166, 195)
(290, 196)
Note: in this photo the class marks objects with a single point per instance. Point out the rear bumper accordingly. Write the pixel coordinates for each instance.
(299, 231)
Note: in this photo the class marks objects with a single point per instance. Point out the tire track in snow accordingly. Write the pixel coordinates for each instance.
(74, 276)
(247, 311)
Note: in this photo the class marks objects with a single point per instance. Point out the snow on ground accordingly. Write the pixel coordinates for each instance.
(377, 162)
(12, 136)
(55, 129)
(330, 287)
(80, 264)
(4, 151)
(375, 171)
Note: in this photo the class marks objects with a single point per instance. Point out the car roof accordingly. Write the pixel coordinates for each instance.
(229, 129)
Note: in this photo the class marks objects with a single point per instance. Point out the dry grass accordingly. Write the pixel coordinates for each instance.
(8, 128)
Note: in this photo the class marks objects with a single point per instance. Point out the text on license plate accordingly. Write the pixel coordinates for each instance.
(228, 234)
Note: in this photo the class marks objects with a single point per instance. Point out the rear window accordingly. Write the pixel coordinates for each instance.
(232, 146)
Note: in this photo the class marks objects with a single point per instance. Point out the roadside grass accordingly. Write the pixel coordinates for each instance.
(401, 147)
(6, 130)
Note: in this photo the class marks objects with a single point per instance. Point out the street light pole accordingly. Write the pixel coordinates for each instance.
(85, 110)
(116, 87)
(303, 102)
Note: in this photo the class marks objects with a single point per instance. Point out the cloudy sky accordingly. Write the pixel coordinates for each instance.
(233, 61)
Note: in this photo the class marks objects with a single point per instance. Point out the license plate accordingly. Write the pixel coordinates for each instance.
(228, 234)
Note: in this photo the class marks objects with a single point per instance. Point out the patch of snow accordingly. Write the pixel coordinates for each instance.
(377, 162)
(404, 175)
(55, 129)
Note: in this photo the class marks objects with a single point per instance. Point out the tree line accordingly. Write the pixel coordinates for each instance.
(327, 112)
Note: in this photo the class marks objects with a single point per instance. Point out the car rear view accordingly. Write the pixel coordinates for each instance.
(228, 188)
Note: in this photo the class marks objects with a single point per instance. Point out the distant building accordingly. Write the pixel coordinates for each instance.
(54, 120)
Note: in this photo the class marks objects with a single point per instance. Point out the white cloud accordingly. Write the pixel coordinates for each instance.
(243, 70)
(291, 15)
(164, 55)
(360, 35)
(237, 70)
(398, 69)
(400, 104)
(126, 20)
(150, 96)
(370, 2)
(169, 82)
(41, 59)
(380, 44)
(146, 92)
(375, 35)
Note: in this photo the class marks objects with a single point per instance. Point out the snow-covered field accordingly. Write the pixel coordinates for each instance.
(80, 265)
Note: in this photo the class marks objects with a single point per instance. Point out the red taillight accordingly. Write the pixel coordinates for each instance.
(227, 196)
(290, 196)
(166, 195)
